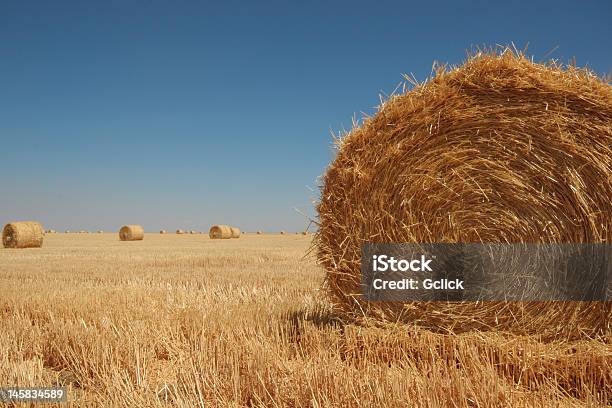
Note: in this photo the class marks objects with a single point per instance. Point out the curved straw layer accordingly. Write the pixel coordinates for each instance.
(24, 234)
(235, 232)
(131, 233)
(498, 150)
(220, 232)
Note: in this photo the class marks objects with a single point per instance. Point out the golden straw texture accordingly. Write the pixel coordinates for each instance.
(24, 234)
(220, 232)
(500, 149)
(131, 233)
(235, 232)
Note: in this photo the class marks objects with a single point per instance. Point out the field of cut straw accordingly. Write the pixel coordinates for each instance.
(183, 320)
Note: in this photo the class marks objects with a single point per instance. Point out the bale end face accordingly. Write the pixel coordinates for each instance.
(25, 234)
(220, 232)
(131, 233)
(500, 149)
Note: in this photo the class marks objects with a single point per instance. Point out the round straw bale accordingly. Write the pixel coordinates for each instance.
(500, 149)
(180, 231)
(235, 232)
(23, 234)
(100, 232)
(131, 233)
(282, 232)
(259, 232)
(162, 231)
(220, 232)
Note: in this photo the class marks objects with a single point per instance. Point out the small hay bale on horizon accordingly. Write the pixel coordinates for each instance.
(162, 231)
(180, 231)
(131, 232)
(220, 232)
(22, 234)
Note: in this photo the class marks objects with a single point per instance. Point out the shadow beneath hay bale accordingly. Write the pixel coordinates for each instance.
(320, 319)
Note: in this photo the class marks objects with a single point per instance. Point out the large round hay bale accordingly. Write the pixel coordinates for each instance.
(131, 233)
(23, 234)
(220, 232)
(500, 149)
(235, 232)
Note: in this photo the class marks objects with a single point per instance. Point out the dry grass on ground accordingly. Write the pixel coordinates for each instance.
(234, 323)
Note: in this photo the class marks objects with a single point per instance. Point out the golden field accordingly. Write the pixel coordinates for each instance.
(182, 320)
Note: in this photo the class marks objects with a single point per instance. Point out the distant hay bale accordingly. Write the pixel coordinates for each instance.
(67, 232)
(100, 232)
(220, 232)
(192, 232)
(259, 232)
(282, 232)
(235, 232)
(304, 232)
(131, 233)
(162, 231)
(500, 149)
(180, 231)
(23, 234)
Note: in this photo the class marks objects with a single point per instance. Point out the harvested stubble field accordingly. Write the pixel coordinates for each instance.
(182, 320)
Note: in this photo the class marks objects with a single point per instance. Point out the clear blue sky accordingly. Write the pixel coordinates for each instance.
(179, 114)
